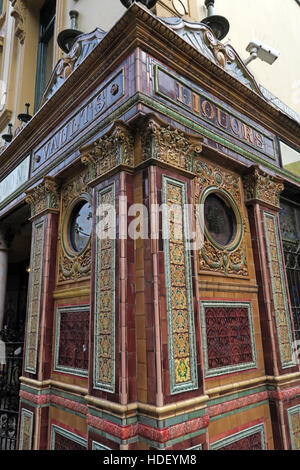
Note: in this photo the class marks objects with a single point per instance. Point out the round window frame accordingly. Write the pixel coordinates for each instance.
(69, 250)
(227, 198)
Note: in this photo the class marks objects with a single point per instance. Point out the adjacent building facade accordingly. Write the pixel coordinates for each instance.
(150, 230)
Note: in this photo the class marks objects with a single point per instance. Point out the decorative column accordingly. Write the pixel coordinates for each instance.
(44, 202)
(112, 371)
(3, 275)
(262, 192)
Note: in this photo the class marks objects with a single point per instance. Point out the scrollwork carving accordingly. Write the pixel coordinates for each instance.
(113, 149)
(223, 54)
(169, 145)
(44, 197)
(262, 187)
(76, 266)
(227, 260)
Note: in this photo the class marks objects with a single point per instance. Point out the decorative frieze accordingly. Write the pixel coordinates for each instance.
(228, 337)
(104, 310)
(110, 151)
(169, 145)
(44, 197)
(178, 272)
(279, 290)
(263, 188)
(294, 426)
(34, 302)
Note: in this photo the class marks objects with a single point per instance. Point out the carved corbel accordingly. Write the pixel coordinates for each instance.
(19, 12)
(263, 188)
(167, 144)
(44, 197)
(114, 149)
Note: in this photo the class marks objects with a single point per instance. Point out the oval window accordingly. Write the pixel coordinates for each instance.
(220, 220)
(80, 226)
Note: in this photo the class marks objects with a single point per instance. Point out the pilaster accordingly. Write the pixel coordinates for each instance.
(262, 192)
(44, 202)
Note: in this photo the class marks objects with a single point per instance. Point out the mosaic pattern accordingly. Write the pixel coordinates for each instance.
(26, 430)
(282, 314)
(35, 288)
(72, 340)
(228, 337)
(61, 439)
(181, 330)
(294, 425)
(104, 341)
(253, 438)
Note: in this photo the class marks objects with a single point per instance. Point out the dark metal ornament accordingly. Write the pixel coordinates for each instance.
(218, 24)
(67, 37)
(9, 136)
(25, 117)
(146, 3)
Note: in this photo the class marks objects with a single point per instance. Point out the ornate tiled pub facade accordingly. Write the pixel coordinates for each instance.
(151, 343)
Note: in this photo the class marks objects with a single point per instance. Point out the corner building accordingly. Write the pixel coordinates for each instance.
(145, 343)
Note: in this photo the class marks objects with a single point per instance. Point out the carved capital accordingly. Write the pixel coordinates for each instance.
(19, 13)
(110, 151)
(44, 197)
(263, 188)
(169, 145)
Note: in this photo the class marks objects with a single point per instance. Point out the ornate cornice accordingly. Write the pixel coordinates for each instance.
(44, 197)
(262, 188)
(114, 149)
(19, 13)
(169, 145)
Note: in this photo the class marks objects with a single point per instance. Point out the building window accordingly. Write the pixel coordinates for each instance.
(45, 49)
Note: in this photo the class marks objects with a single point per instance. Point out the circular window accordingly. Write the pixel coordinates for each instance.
(220, 220)
(80, 226)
